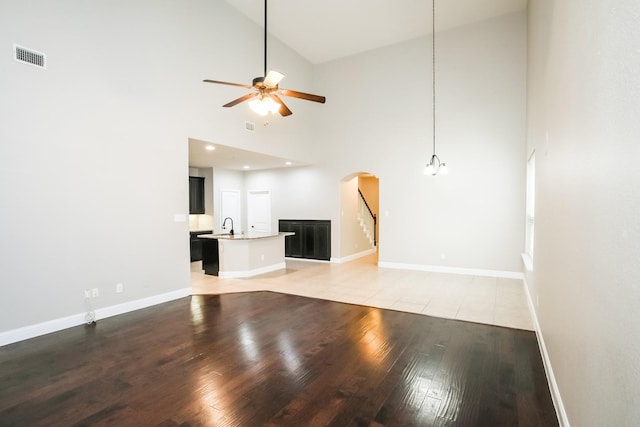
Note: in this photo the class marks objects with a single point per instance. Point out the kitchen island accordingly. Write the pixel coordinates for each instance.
(242, 255)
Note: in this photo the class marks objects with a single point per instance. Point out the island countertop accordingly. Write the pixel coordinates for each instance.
(242, 255)
(244, 236)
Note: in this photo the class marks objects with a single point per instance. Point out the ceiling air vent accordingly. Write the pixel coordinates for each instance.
(250, 126)
(29, 56)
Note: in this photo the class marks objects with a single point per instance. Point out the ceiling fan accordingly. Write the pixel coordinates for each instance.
(266, 95)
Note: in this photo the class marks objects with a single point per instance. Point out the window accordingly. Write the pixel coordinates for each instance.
(530, 211)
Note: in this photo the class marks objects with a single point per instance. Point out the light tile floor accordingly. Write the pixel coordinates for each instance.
(488, 300)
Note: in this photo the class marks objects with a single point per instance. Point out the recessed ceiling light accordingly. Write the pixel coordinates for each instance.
(246, 167)
(288, 163)
(210, 148)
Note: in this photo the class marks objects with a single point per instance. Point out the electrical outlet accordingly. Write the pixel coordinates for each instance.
(87, 293)
(119, 288)
(262, 257)
(95, 292)
(442, 255)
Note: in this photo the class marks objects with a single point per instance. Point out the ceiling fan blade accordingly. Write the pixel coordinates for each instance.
(273, 78)
(284, 110)
(302, 95)
(241, 99)
(227, 83)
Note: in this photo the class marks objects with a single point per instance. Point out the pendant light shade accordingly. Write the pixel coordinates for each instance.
(435, 167)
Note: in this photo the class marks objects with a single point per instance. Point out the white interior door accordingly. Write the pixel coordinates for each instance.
(230, 207)
(259, 212)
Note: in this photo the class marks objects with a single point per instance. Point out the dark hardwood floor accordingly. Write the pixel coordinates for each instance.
(254, 359)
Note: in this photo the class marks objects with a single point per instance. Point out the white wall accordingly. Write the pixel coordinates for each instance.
(481, 121)
(93, 150)
(300, 193)
(378, 119)
(82, 206)
(583, 123)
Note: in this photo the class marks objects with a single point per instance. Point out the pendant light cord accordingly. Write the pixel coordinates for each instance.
(433, 58)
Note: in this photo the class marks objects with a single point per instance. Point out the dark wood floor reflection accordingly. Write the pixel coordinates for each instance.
(264, 358)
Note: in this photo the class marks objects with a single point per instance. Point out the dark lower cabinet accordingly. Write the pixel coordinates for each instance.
(312, 238)
(210, 257)
(196, 244)
(292, 244)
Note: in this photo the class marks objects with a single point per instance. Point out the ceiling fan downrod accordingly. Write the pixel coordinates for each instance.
(267, 95)
(265, 38)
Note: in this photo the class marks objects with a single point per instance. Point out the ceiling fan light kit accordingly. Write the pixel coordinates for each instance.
(435, 166)
(266, 89)
(264, 105)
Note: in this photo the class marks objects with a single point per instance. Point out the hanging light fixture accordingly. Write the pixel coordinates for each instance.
(435, 166)
(264, 105)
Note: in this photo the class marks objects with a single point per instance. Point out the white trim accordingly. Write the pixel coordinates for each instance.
(453, 270)
(251, 273)
(32, 331)
(354, 256)
(528, 262)
(551, 379)
(126, 307)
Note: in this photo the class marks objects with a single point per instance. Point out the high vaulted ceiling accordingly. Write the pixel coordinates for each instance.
(324, 30)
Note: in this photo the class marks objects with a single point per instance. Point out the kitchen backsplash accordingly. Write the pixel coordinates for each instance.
(200, 222)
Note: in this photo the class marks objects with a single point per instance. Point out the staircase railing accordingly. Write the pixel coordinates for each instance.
(367, 216)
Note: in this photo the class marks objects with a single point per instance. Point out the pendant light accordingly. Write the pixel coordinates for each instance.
(435, 166)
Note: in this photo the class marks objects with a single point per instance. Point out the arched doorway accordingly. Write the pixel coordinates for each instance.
(359, 216)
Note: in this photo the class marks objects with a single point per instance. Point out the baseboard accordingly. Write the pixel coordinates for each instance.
(55, 325)
(563, 420)
(114, 310)
(251, 273)
(453, 270)
(354, 256)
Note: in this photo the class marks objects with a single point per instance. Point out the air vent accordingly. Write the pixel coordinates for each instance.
(29, 56)
(250, 126)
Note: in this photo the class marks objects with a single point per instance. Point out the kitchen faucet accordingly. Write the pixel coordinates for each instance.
(225, 221)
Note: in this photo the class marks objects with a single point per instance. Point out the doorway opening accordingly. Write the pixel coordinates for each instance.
(359, 216)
